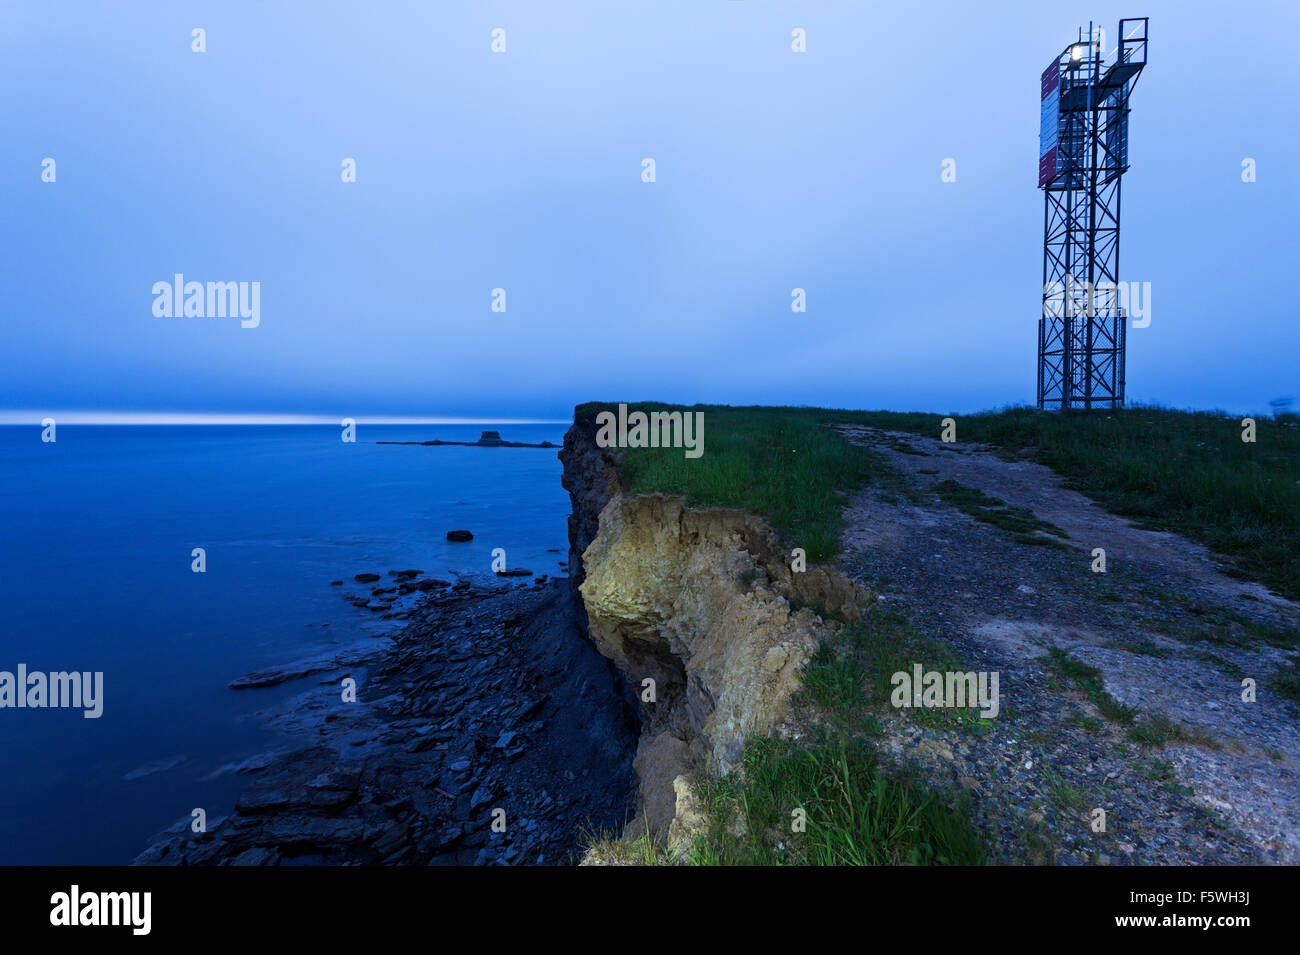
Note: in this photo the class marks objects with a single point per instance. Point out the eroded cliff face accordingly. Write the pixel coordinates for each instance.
(703, 603)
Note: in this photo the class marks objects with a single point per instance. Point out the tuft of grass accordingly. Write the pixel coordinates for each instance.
(1089, 680)
(1158, 730)
(1085, 723)
(1065, 796)
(853, 812)
(1019, 521)
(835, 683)
(1286, 683)
(1157, 770)
(628, 849)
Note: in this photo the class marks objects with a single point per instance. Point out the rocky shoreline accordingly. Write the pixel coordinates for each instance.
(487, 730)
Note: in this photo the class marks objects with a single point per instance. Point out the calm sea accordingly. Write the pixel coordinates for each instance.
(97, 531)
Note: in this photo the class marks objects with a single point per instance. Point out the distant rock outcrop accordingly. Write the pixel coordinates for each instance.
(487, 439)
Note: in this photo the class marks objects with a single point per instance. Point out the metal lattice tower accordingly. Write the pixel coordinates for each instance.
(1083, 152)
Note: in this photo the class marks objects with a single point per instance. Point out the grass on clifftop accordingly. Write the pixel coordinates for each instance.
(1187, 472)
(781, 463)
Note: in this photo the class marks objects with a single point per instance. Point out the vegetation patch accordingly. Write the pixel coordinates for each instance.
(1286, 682)
(825, 801)
(784, 464)
(1089, 681)
(1067, 798)
(854, 811)
(836, 683)
(1158, 730)
(850, 679)
(1086, 723)
(1196, 623)
(991, 510)
(1157, 770)
(1151, 731)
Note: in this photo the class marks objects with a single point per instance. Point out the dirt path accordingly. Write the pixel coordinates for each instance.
(1210, 778)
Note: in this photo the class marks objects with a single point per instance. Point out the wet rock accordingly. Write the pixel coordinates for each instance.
(258, 856)
(260, 800)
(297, 830)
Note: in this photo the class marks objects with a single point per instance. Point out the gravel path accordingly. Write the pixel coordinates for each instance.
(1171, 635)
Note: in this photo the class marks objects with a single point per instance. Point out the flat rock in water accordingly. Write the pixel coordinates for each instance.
(329, 660)
(459, 536)
(158, 766)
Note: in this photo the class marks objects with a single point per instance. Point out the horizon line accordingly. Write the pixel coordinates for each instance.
(34, 418)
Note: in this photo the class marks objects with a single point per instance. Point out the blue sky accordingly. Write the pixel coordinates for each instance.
(522, 171)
